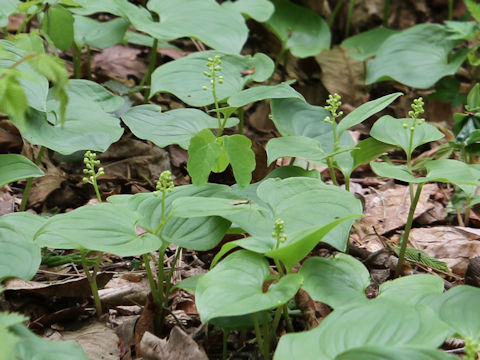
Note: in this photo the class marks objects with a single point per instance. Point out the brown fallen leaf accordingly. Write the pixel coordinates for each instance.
(453, 245)
(179, 346)
(96, 339)
(343, 75)
(387, 210)
(120, 61)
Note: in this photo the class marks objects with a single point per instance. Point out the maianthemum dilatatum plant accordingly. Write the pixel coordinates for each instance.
(285, 215)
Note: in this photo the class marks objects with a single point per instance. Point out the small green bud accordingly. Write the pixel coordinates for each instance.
(412, 128)
(204, 87)
(165, 182)
(85, 180)
(405, 125)
(210, 59)
(207, 74)
(212, 82)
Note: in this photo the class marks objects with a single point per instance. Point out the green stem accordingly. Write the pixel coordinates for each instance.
(151, 280)
(241, 117)
(266, 334)
(347, 182)
(386, 13)
(161, 276)
(450, 9)
(279, 57)
(331, 170)
(224, 347)
(351, 6)
(172, 269)
(276, 319)
(147, 79)
(408, 227)
(288, 321)
(334, 13)
(92, 279)
(222, 127)
(77, 61)
(258, 335)
(95, 186)
(28, 185)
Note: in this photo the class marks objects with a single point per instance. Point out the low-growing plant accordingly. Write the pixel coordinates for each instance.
(408, 134)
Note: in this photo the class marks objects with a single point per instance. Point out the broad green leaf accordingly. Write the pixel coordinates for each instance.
(88, 125)
(462, 30)
(8, 8)
(104, 227)
(367, 43)
(241, 157)
(101, 35)
(445, 170)
(399, 172)
(365, 151)
(473, 9)
(394, 353)
(301, 30)
(200, 19)
(171, 127)
(235, 287)
(260, 10)
(389, 130)
(16, 167)
(299, 244)
(458, 307)
(19, 256)
(203, 153)
(380, 323)
(452, 171)
(305, 205)
(336, 281)
(90, 91)
(363, 112)
(33, 84)
(32, 346)
(8, 339)
(58, 25)
(203, 233)
(89, 7)
(293, 117)
(411, 289)
(296, 146)
(24, 222)
(417, 57)
(262, 92)
(191, 207)
(184, 77)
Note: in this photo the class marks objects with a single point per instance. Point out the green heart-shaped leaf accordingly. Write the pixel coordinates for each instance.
(417, 57)
(380, 323)
(335, 281)
(411, 289)
(171, 127)
(235, 287)
(364, 111)
(458, 307)
(101, 35)
(19, 255)
(262, 92)
(104, 227)
(260, 10)
(393, 353)
(184, 77)
(301, 30)
(88, 125)
(367, 43)
(202, 233)
(389, 130)
(15, 167)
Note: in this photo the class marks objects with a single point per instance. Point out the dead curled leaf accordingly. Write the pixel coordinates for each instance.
(179, 346)
(120, 61)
